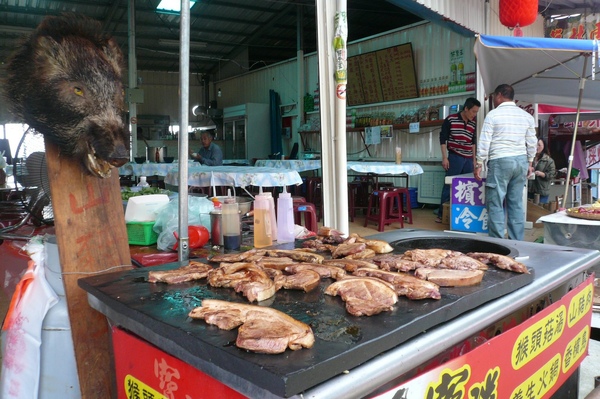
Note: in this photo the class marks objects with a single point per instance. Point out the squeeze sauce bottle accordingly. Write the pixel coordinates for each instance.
(285, 218)
(262, 222)
(271, 201)
(232, 237)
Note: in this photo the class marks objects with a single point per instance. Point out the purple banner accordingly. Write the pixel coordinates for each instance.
(468, 191)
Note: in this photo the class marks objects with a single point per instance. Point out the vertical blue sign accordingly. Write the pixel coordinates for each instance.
(467, 205)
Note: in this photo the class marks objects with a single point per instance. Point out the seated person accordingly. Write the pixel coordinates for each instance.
(209, 154)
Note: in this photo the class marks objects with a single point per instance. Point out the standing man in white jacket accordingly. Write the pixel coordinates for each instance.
(507, 144)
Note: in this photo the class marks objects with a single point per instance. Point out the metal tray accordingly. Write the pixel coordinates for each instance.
(342, 341)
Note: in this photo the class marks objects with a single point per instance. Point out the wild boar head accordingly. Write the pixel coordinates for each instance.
(65, 82)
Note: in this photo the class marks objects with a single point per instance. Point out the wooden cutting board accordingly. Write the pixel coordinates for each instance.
(92, 239)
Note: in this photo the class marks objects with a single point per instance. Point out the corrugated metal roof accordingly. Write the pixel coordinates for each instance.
(264, 31)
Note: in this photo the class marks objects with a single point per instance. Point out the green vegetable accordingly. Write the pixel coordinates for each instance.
(126, 192)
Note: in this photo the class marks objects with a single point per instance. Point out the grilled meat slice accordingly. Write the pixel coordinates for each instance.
(350, 265)
(343, 250)
(404, 284)
(450, 278)
(325, 271)
(299, 256)
(263, 329)
(366, 254)
(237, 257)
(318, 245)
(392, 262)
(500, 261)
(379, 246)
(461, 262)
(305, 280)
(247, 278)
(193, 271)
(364, 296)
(328, 235)
(274, 263)
(429, 257)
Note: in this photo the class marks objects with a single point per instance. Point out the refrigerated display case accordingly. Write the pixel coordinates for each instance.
(246, 131)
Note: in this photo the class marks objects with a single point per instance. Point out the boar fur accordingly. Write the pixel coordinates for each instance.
(65, 81)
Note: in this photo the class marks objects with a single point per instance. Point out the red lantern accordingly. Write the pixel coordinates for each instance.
(518, 12)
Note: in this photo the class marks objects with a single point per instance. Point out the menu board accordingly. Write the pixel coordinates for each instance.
(383, 75)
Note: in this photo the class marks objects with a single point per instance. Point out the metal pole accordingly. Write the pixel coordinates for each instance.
(132, 78)
(333, 103)
(581, 88)
(183, 249)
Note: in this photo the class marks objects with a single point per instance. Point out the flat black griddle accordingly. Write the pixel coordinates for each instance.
(342, 341)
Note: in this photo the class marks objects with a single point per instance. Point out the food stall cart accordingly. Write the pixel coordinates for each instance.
(353, 356)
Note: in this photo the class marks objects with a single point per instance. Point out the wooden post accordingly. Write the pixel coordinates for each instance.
(91, 237)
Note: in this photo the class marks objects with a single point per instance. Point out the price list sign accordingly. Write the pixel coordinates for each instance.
(383, 75)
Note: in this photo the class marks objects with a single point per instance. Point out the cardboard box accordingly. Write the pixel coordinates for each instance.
(446, 213)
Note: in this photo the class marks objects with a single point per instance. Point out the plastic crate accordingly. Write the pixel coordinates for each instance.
(141, 233)
(412, 192)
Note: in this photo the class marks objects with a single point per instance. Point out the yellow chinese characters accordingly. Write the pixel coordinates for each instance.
(535, 339)
(135, 389)
(580, 305)
(451, 384)
(540, 382)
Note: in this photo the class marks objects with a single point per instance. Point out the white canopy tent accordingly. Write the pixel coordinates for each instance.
(559, 72)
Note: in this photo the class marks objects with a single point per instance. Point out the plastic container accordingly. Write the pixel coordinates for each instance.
(285, 218)
(262, 222)
(143, 182)
(145, 208)
(216, 227)
(141, 233)
(232, 237)
(271, 201)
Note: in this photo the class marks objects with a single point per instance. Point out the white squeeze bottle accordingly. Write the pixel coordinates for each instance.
(285, 218)
(262, 222)
(143, 182)
(269, 197)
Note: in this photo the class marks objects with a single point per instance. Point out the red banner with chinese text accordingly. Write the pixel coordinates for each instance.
(531, 360)
(145, 371)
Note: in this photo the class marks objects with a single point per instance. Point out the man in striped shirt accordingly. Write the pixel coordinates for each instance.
(458, 140)
(507, 144)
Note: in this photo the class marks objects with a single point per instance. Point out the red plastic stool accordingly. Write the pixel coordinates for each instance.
(353, 188)
(403, 206)
(314, 194)
(310, 215)
(386, 204)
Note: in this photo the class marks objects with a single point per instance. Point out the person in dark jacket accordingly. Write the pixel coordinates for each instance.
(209, 154)
(544, 171)
(458, 141)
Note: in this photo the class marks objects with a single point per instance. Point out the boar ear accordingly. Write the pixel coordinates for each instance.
(114, 54)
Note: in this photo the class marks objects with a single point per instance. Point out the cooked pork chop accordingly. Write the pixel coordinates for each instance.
(247, 278)
(350, 265)
(500, 261)
(193, 271)
(305, 280)
(343, 250)
(364, 296)
(263, 329)
(366, 254)
(325, 271)
(299, 256)
(379, 246)
(429, 257)
(237, 257)
(392, 262)
(450, 278)
(461, 262)
(404, 284)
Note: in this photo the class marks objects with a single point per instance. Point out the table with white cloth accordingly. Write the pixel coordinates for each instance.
(146, 169)
(238, 176)
(568, 231)
(404, 170)
(300, 165)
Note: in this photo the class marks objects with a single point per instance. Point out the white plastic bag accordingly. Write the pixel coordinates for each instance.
(167, 219)
(22, 330)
